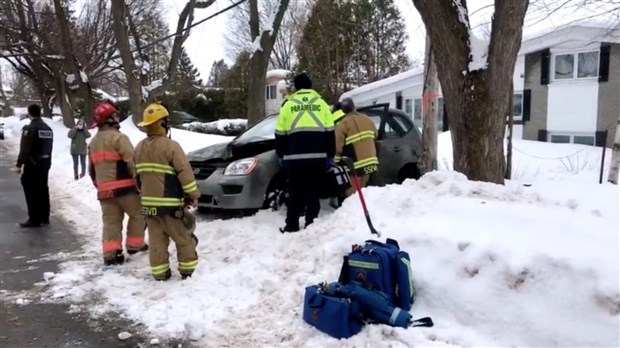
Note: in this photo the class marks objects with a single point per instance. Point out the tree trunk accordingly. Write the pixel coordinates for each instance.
(68, 118)
(122, 40)
(72, 64)
(259, 59)
(429, 111)
(615, 157)
(477, 95)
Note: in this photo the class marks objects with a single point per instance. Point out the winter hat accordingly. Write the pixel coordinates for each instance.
(302, 81)
(348, 105)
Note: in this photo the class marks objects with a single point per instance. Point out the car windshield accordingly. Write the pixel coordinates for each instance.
(263, 130)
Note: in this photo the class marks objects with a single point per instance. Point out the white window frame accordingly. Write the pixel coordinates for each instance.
(271, 92)
(572, 137)
(575, 55)
(520, 116)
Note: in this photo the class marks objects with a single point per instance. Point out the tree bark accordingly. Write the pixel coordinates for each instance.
(68, 118)
(429, 110)
(612, 176)
(72, 64)
(122, 40)
(259, 60)
(477, 98)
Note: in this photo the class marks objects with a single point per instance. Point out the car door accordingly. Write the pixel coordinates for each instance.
(391, 149)
(407, 148)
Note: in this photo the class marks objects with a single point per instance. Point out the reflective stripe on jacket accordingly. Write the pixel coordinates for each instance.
(164, 175)
(305, 128)
(355, 138)
(110, 163)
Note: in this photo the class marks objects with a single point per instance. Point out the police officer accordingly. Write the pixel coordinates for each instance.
(305, 142)
(33, 163)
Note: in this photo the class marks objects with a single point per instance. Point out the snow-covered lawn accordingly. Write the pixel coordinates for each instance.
(494, 265)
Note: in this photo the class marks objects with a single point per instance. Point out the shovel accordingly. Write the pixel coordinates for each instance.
(356, 182)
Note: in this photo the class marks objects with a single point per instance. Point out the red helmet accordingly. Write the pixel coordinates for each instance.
(103, 111)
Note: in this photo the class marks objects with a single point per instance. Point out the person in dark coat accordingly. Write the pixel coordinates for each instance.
(33, 163)
(78, 136)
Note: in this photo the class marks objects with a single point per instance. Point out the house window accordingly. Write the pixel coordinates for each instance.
(271, 92)
(576, 65)
(517, 106)
(417, 111)
(409, 107)
(566, 138)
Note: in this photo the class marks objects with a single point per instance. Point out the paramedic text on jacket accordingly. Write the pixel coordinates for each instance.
(305, 128)
(305, 142)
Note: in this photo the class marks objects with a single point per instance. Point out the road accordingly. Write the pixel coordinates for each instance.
(41, 324)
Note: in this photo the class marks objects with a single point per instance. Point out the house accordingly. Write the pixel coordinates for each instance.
(276, 90)
(566, 87)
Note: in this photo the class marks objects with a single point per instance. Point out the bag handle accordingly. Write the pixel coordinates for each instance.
(388, 241)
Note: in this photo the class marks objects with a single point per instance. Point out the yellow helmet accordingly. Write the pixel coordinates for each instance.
(153, 113)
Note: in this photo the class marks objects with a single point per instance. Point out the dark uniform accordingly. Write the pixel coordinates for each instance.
(35, 154)
(305, 141)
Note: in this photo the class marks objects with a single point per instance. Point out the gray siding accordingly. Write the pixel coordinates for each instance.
(609, 97)
(538, 103)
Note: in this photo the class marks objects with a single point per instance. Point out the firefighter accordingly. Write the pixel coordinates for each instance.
(167, 189)
(112, 171)
(355, 138)
(33, 163)
(305, 143)
(337, 113)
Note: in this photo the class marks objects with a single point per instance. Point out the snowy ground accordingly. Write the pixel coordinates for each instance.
(494, 265)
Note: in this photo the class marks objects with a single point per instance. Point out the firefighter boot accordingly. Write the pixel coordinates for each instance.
(144, 248)
(117, 259)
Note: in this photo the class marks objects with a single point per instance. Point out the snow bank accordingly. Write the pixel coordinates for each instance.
(494, 265)
(189, 141)
(230, 127)
(534, 161)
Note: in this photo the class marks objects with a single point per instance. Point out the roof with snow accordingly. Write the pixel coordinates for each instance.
(388, 85)
(277, 73)
(586, 33)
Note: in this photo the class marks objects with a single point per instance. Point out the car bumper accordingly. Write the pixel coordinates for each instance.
(232, 192)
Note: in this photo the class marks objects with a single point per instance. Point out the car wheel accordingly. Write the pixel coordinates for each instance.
(409, 171)
(276, 195)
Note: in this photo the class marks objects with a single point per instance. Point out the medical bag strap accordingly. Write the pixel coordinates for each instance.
(345, 276)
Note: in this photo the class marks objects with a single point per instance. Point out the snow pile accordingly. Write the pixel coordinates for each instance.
(229, 127)
(189, 141)
(479, 49)
(493, 265)
(534, 161)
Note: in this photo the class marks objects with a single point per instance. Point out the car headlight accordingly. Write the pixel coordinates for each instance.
(241, 167)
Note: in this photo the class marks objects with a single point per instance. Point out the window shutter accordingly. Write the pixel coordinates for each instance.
(527, 98)
(603, 63)
(600, 138)
(545, 64)
(542, 135)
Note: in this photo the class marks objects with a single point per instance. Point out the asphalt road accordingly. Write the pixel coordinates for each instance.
(37, 324)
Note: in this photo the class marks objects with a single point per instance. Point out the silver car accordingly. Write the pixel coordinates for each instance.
(244, 174)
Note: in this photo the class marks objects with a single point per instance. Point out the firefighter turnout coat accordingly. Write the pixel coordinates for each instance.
(355, 138)
(165, 176)
(111, 164)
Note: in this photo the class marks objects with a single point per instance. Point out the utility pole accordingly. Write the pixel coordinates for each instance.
(430, 98)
